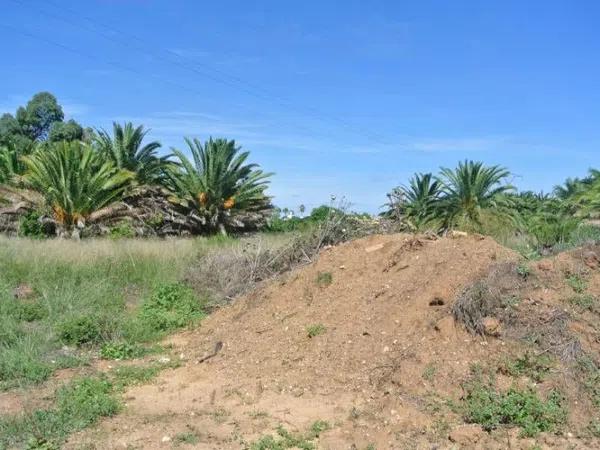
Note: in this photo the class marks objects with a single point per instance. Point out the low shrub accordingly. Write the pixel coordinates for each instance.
(80, 330)
(171, 306)
(484, 405)
(324, 279)
(536, 367)
(121, 350)
(315, 330)
(122, 230)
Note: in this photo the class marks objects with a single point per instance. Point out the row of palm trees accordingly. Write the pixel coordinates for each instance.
(75, 184)
(453, 197)
(474, 195)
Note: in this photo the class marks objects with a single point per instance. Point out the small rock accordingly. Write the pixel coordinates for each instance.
(386, 349)
(458, 234)
(491, 326)
(166, 439)
(164, 360)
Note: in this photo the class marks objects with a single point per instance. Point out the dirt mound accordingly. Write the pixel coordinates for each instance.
(363, 339)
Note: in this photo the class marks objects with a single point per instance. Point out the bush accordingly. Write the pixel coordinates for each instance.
(484, 405)
(31, 226)
(85, 400)
(315, 330)
(122, 230)
(80, 330)
(171, 306)
(121, 350)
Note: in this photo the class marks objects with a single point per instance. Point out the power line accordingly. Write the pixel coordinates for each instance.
(112, 63)
(208, 72)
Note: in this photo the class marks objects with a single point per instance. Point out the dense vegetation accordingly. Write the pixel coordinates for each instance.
(72, 181)
(479, 198)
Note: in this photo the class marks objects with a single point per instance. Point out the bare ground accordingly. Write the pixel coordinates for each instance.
(380, 373)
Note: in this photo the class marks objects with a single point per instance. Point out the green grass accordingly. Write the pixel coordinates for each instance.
(90, 295)
(324, 279)
(78, 405)
(577, 283)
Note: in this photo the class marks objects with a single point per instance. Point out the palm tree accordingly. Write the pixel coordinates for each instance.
(126, 151)
(471, 188)
(569, 189)
(77, 183)
(217, 186)
(417, 202)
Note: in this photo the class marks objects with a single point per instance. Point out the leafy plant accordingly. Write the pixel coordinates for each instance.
(471, 188)
(484, 405)
(121, 350)
(77, 184)
(126, 151)
(417, 202)
(171, 306)
(315, 330)
(218, 186)
(531, 365)
(80, 330)
(31, 226)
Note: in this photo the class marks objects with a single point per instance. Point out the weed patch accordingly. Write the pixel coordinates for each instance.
(122, 350)
(171, 306)
(536, 367)
(484, 405)
(577, 283)
(315, 330)
(285, 439)
(324, 279)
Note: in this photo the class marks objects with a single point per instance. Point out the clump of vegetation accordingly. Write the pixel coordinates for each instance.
(122, 230)
(589, 373)
(188, 437)
(79, 404)
(577, 283)
(523, 270)
(324, 279)
(536, 367)
(171, 306)
(122, 350)
(429, 372)
(285, 439)
(485, 405)
(315, 330)
(585, 302)
(80, 330)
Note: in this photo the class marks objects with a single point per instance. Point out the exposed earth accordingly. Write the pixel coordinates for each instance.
(365, 340)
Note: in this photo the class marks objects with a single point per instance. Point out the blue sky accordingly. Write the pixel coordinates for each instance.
(347, 98)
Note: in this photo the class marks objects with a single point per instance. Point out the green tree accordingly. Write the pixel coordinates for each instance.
(217, 185)
(416, 203)
(65, 131)
(76, 183)
(37, 117)
(125, 148)
(472, 188)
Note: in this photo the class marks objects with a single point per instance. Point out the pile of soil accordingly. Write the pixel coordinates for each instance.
(384, 359)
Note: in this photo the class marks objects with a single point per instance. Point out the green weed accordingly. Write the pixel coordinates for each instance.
(285, 439)
(577, 283)
(315, 330)
(484, 405)
(324, 279)
(536, 367)
(122, 350)
(429, 372)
